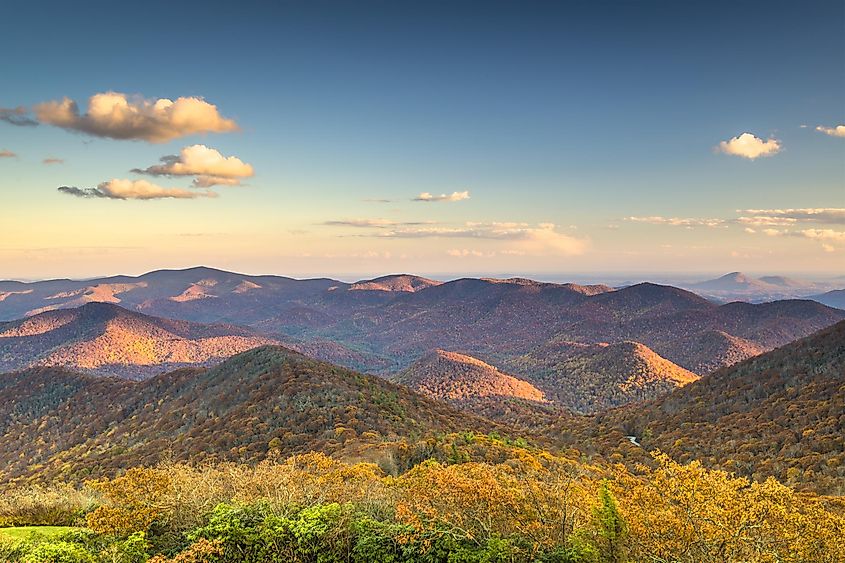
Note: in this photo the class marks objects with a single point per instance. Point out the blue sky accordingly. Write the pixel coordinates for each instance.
(562, 121)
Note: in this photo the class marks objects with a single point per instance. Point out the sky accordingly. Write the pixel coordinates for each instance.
(353, 139)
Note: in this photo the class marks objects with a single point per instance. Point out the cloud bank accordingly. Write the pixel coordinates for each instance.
(118, 116)
(749, 146)
(542, 238)
(687, 222)
(454, 196)
(830, 239)
(133, 189)
(780, 217)
(208, 165)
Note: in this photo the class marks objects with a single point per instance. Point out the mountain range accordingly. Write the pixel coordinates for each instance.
(384, 325)
(583, 348)
(778, 414)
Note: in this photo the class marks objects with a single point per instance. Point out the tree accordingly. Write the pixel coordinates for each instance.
(612, 531)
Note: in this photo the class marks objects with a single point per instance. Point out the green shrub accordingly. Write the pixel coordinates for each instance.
(59, 552)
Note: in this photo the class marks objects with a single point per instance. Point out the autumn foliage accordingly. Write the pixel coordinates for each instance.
(519, 504)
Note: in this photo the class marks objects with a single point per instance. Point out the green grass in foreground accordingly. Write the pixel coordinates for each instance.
(23, 532)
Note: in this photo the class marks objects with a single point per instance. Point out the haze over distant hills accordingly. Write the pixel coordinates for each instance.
(737, 286)
(835, 298)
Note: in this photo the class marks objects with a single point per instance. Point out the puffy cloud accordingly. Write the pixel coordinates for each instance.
(208, 165)
(830, 215)
(750, 146)
(53, 160)
(133, 189)
(118, 116)
(540, 239)
(678, 221)
(454, 196)
(837, 131)
(17, 116)
(7, 154)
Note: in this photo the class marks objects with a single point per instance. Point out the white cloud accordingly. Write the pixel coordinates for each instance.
(454, 196)
(133, 189)
(837, 131)
(766, 221)
(829, 238)
(750, 146)
(688, 222)
(118, 116)
(209, 181)
(831, 215)
(207, 164)
(539, 239)
(823, 235)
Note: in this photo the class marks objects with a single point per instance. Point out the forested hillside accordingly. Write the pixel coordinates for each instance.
(780, 414)
(268, 399)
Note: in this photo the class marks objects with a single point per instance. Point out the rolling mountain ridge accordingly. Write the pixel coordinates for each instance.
(450, 376)
(384, 325)
(104, 339)
(596, 377)
(778, 414)
(74, 425)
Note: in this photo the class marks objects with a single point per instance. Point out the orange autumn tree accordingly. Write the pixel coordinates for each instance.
(686, 513)
(133, 501)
